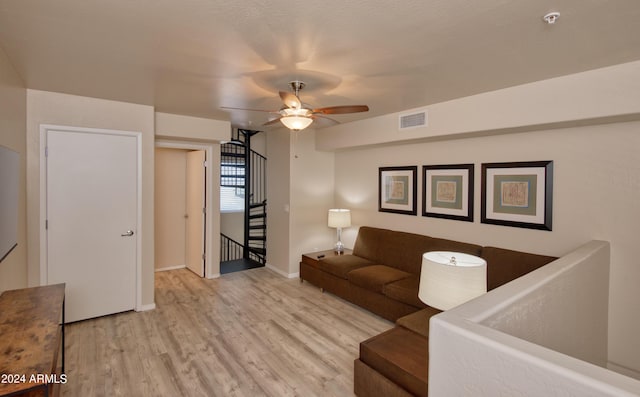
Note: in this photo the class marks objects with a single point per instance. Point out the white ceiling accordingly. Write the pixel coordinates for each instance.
(193, 56)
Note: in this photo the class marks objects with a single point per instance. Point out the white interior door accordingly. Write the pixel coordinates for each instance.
(91, 220)
(195, 233)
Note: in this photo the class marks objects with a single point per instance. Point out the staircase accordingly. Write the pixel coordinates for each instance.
(245, 171)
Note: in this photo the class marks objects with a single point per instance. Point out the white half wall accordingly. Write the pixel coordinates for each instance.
(540, 335)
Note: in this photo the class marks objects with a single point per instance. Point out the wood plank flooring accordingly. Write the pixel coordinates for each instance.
(250, 333)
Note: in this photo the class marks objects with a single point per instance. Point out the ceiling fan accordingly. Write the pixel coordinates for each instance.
(297, 115)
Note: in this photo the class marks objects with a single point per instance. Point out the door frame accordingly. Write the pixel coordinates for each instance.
(211, 267)
(44, 129)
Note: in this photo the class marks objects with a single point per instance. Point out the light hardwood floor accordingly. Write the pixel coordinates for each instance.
(251, 333)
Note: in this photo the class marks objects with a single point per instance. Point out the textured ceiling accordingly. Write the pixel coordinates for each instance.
(193, 56)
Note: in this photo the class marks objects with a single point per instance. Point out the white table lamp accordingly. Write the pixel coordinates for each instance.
(448, 279)
(339, 218)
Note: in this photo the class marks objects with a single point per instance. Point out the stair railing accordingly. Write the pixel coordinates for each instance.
(251, 177)
(230, 249)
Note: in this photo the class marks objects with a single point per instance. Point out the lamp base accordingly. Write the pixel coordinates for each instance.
(339, 247)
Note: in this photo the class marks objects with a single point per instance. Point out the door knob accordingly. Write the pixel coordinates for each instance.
(129, 233)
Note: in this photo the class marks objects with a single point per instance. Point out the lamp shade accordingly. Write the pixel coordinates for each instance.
(448, 279)
(339, 218)
(296, 123)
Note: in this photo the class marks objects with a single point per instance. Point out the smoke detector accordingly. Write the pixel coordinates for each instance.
(551, 17)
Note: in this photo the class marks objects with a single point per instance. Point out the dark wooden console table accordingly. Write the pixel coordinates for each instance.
(312, 258)
(31, 338)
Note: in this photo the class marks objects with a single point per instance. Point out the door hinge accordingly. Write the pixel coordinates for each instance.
(203, 257)
(46, 224)
(204, 211)
(46, 151)
(204, 164)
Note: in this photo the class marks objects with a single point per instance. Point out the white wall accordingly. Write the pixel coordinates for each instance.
(170, 207)
(597, 96)
(13, 135)
(312, 194)
(278, 200)
(232, 225)
(259, 143)
(542, 334)
(596, 191)
(300, 191)
(596, 175)
(174, 126)
(69, 110)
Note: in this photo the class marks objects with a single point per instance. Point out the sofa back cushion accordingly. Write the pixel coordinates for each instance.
(504, 265)
(403, 250)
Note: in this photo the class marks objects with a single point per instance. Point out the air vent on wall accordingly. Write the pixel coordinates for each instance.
(413, 120)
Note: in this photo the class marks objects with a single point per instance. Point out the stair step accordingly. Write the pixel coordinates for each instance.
(258, 238)
(232, 176)
(258, 227)
(232, 154)
(258, 205)
(234, 186)
(257, 216)
(261, 251)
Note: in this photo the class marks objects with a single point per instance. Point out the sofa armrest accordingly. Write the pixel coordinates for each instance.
(418, 322)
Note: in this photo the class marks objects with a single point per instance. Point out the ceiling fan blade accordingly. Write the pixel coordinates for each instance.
(325, 120)
(272, 122)
(250, 110)
(342, 109)
(290, 100)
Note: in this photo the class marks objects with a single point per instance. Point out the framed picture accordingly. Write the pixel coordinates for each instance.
(397, 190)
(447, 191)
(518, 194)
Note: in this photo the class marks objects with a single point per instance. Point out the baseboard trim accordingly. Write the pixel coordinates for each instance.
(164, 269)
(621, 369)
(282, 273)
(144, 308)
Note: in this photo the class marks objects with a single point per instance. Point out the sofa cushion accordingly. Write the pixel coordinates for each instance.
(418, 322)
(405, 290)
(340, 265)
(504, 265)
(442, 244)
(375, 277)
(369, 242)
(392, 248)
(403, 250)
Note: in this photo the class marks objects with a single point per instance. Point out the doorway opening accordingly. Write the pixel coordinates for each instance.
(183, 208)
(243, 227)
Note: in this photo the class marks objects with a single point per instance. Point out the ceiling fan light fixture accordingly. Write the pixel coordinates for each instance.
(296, 115)
(296, 123)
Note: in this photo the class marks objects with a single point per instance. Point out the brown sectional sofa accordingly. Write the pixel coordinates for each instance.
(382, 275)
(383, 272)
